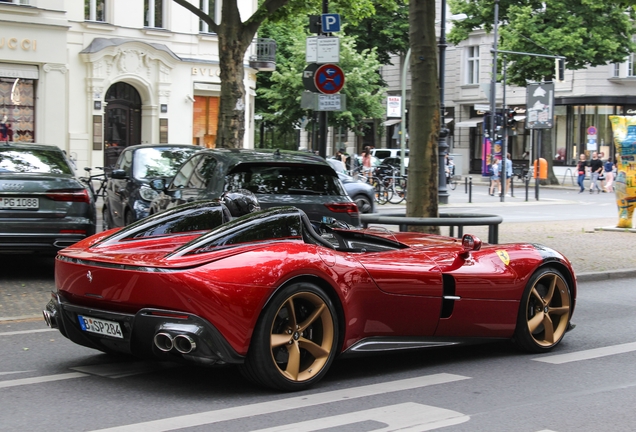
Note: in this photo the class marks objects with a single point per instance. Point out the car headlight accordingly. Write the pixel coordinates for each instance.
(147, 193)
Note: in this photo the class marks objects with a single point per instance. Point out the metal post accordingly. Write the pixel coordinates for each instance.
(405, 67)
(442, 145)
(504, 143)
(538, 170)
(322, 115)
(493, 80)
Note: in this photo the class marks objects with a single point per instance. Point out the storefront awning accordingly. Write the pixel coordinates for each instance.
(391, 122)
(11, 70)
(472, 122)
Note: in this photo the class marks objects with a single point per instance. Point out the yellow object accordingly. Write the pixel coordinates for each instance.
(624, 128)
(503, 255)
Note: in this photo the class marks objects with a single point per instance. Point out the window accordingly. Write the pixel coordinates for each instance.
(154, 13)
(630, 63)
(94, 10)
(207, 6)
(616, 72)
(17, 109)
(472, 65)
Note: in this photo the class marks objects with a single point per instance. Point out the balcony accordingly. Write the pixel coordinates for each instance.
(265, 58)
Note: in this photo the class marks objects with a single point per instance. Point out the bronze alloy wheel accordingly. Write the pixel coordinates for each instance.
(545, 311)
(302, 336)
(295, 340)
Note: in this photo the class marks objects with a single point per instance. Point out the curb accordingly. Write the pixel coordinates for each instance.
(606, 275)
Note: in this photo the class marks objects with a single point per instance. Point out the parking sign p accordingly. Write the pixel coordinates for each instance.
(330, 23)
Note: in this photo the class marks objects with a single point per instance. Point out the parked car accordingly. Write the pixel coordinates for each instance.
(128, 194)
(385, 153)
(361, 192)
(276, 177)
(43, 206)
(281, 299)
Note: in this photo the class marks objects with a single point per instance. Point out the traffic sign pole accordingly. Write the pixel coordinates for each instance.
(322, 116)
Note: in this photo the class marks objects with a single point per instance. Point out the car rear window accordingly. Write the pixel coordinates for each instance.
(285, 179)
(20, 160)
(156, 162)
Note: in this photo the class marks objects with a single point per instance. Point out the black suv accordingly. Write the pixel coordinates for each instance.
(276, 177)
(128, 194)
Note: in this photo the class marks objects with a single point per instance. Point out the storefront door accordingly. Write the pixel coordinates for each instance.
(122, 120)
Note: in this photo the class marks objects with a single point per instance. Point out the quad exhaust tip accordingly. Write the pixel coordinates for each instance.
(181, 343)
(49, 319)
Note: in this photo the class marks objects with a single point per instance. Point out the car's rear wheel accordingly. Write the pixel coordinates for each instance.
(295, 339)
(363, 203)
(544, 313)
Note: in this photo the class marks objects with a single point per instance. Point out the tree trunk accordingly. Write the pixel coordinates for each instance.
(424, 115)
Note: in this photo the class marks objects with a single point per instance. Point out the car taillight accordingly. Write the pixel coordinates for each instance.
(72, 195)
(344, 207)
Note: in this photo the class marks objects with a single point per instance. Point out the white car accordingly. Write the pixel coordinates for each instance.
(386, 153)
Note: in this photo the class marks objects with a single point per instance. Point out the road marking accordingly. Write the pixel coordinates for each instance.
(210, 417)
(13, 333)
(16, 372)
(124, 369)
(41, 379)
(407, 416)
(588, 354)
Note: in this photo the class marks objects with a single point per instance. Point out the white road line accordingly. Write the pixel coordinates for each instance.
(16, 372)
(405, 417)
(588, 354)
(41, 379)
(26, 332)
(124, 369)
(210, 417)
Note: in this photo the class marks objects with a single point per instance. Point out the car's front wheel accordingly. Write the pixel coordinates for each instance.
(544, 313)
(295, 339)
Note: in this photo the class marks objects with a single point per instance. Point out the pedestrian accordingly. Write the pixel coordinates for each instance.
(508, 173)
(494, 179)
(366, 163)
(580, 168)
(596, 168)
(341, 155)
(608, 169)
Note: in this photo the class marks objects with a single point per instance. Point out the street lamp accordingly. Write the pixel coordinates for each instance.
(442, 145)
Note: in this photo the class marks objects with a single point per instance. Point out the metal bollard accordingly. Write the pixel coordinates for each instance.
(470, 189)
(527, 186)
(465, 184)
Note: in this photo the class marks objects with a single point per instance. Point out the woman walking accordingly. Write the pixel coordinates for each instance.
(608, 169)
(581, 167)
(494, 179)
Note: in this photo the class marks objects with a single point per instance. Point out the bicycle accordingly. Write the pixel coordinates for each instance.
(101, 178)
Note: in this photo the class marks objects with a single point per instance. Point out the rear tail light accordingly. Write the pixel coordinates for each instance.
(344, 207)
(72, 195)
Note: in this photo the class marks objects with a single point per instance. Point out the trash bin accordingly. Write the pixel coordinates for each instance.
(542, 171)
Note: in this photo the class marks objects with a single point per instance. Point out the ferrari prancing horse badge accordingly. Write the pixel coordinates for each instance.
(503, 255)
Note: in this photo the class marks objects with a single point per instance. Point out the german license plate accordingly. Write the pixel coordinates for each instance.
(100, 326)
(19, 203)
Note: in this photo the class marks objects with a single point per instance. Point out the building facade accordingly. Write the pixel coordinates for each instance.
(583, 103)
(94, 76)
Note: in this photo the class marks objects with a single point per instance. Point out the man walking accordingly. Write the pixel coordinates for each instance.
(596, 167)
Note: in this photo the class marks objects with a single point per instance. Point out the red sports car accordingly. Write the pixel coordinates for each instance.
(282, 297)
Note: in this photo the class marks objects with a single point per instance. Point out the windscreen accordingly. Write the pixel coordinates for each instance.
(44, 161)
(285, 179)
(157, 162)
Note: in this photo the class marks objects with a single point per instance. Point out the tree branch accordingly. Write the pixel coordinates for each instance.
(198, 12)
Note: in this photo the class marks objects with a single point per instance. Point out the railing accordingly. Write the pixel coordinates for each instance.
(451, 220)
(265, 57)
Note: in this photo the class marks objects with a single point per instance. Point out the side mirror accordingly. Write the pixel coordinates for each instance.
(158, 184)
(118, 174)
(470, 243)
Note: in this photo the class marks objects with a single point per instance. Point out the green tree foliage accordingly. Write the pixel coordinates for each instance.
(586, 32)
(387, 30)
(279, 94)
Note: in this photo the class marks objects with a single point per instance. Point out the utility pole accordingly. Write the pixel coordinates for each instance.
(493, 94)
(442, 145)
(322, 115)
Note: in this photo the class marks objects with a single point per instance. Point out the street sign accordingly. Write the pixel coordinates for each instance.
(311, 49)
(540, 106)
(330, 23)
(321, 102)
(329, 78)
(308, 77)
(322, 49)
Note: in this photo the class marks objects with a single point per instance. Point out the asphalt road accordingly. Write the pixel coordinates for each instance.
(587, 384)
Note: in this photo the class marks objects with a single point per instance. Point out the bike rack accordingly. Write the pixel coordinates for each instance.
(451, 220)
(571, 176)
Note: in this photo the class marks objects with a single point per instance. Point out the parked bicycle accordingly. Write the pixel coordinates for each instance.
(390, 186)
(101, 180)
